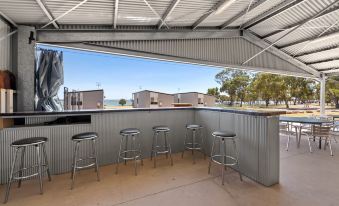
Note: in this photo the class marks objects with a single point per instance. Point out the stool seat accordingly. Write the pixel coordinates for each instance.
(85, 136)
(129, 131)
(161, 128)
(29, 141)
(193, 126)
(224, 134)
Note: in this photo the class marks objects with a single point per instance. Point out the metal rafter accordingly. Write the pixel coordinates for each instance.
(322, 61)
(271, 13)
(242, 13)
(156, 13)
(168, 12)
(208, 13)
(115, 18)
(47, 12)
(331, 71)
(300, 22)
(64, 14)
(255, 39)
(316, 51)
(292, 30)
(8, 19)
(328, 36)
(8, 35)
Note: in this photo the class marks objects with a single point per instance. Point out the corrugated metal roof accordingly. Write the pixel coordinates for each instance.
(326, 65)
(23, 11)
(234, 9)
(319, 56)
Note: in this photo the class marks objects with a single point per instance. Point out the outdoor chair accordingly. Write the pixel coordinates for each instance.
(322, 133)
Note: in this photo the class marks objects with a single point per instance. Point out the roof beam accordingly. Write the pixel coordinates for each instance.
(263, 44)
(64, 14)
(242, 13)
(316, 51)
(208, 13)
(115, 18)
(47, 13)
(7, 35)
(300, 22)
(271, 13)
(57, 36)
(156, 13)
(8, 19)
(322, 61)
(312, 39)
(168, 12)
(331, 71)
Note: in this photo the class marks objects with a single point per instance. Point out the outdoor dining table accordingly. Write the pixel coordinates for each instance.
(301, 121)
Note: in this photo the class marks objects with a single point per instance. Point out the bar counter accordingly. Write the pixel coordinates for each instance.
(257, 132)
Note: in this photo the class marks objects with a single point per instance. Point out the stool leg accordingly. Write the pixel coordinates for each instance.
(118, 160)
(223, 162)
(202, 142)
(126, 147)
(38, 153)
(95, 154)
(140, 152)
(156, 149)
(212, 153)
(134, 154)
(23, 151)
(76, 148)
(237, 156)
(168, 148)
(182, 155)
(166, 144)
(46, 162)
(152, 151)
(11, 176)
(193, 146)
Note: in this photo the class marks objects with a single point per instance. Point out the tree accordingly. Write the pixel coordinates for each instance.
(234, 83)
(263, 84)
(332, 87)
(122, 102)
(214, 92)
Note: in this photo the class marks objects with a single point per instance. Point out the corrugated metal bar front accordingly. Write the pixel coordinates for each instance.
(257, 142)
(5, 47)
(258, 139)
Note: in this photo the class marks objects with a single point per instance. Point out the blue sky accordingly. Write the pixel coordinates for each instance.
(120, 76)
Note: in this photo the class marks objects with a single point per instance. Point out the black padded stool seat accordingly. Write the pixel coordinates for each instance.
(224, 134)
(129, 131)
(161, 128)
(29, 141)
(85, 136)
(193, 126)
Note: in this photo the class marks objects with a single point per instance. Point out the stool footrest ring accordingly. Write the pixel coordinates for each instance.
(234, 160)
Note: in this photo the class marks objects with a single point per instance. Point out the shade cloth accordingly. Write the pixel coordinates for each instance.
(49, 78)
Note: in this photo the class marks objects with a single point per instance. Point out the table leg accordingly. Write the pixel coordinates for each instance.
(320, 142)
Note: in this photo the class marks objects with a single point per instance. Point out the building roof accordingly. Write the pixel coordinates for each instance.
(295, 37)
(152, 91)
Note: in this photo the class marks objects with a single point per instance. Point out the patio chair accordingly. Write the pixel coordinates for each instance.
(321, 132)
(286, 129)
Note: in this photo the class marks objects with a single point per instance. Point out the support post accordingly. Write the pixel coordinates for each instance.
(322, 94)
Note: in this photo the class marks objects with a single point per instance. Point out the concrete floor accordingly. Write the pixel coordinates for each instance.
(305, 179)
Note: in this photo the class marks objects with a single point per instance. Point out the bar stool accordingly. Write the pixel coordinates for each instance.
(160, 149)
(130, 152)
(77, 139)
(22, 145)
(196, 144)
(221, 159)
